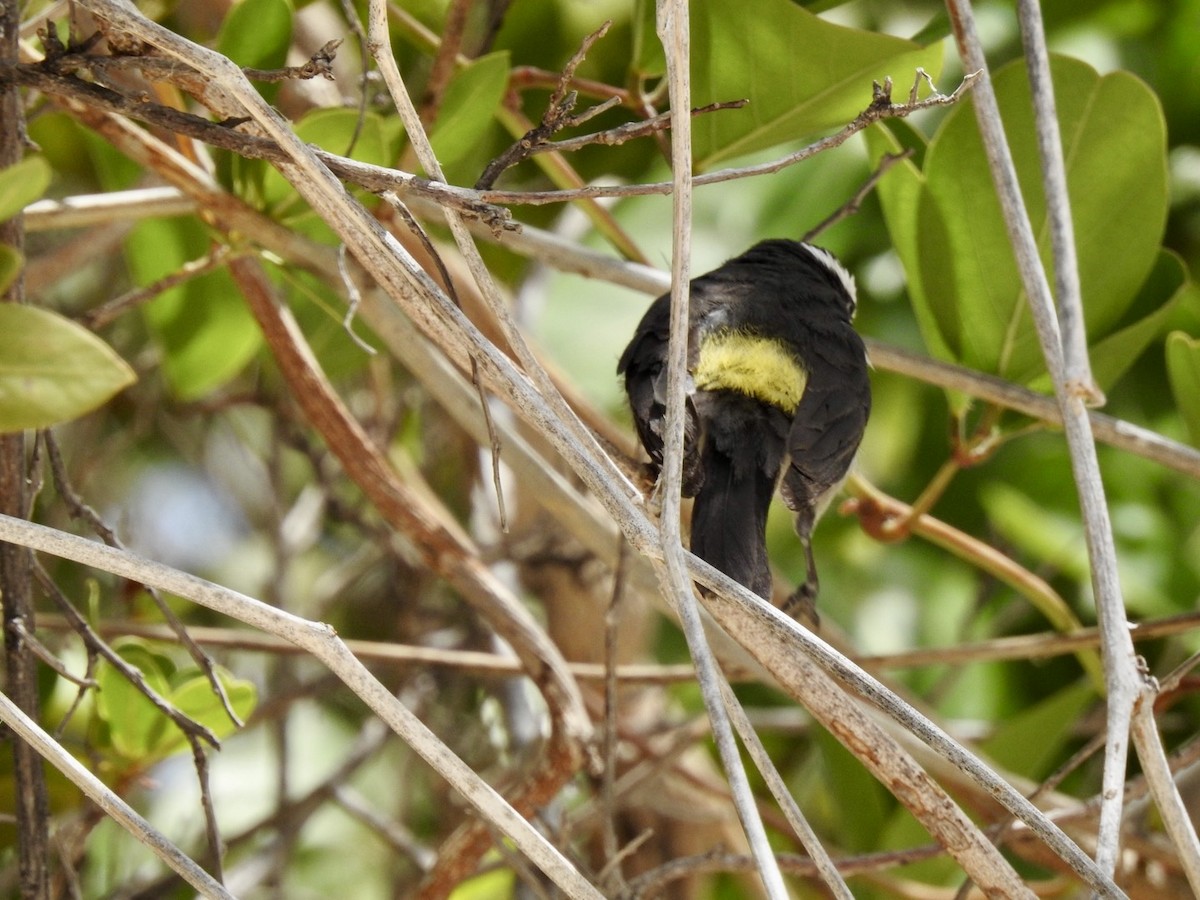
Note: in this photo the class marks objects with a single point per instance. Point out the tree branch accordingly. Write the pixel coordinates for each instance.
(1124, 682)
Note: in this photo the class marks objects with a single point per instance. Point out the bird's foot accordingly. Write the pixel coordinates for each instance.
(801, 605)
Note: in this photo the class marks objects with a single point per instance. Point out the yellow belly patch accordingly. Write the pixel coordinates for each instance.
(758, 367)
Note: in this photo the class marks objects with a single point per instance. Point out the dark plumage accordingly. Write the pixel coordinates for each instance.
(778, 385)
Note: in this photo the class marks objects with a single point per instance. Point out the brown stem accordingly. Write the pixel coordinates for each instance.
(20, 662)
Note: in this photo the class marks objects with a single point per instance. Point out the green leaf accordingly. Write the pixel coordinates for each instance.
(1115, 146)
(500, 882)
(10, 266)
(135, 724)
(52, 370)
(195, 698)
(333, 130)
(257, 33)
(858, 825)
(800, 73)
(1152, 308)
(1183, 370)
(468, 110)
(21, 184)
(204, 329)
(1031, 741)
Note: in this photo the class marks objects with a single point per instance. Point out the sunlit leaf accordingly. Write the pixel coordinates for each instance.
(800, 73)
(195, 698)
(21, 184)
(1114, 144)
(52, 370)
(135, 723)
(203, 327)
(257, 33)
(467, 111)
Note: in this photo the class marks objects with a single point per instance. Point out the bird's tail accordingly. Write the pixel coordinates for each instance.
(729, 519)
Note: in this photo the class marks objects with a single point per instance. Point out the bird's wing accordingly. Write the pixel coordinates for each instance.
(828, 425)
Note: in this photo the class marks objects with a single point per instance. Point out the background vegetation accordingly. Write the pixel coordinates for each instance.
(157, 398)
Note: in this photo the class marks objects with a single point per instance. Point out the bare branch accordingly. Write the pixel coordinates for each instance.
(319, 66)
(1124, 683)
(323, 644)
(108, 801)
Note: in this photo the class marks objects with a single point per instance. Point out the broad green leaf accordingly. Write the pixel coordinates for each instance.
(10, 265)
(334, 130)
(1183, 370)
(52, 370)
(1031, 741)
(1163, 290)
(900, 192)
(257, 33)
(1114, 144)
(21, 184)
(858, 824)
(800, 73)
(195, 698)
(205, 331)
(135, 724)
(500, 882)
(468, 110)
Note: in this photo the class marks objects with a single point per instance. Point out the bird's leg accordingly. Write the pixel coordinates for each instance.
(802, 604)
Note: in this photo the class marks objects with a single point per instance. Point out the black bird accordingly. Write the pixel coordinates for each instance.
(777, 385)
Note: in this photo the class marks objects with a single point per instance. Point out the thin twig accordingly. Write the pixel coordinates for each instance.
(108, 801)
(320, 65)
(45, 655)
(612, 619)
(444, 62)
(1067, 291)
(212, 831)
(620, 134)
(103, 315)
(353, 299)
(556, 117)
(851, 206)
(451, 290)
(672, 25)
(1176, 817)
(364, 69)
(825, 866)
(79, 509)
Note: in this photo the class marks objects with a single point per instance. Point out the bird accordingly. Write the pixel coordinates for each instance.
(778, 395)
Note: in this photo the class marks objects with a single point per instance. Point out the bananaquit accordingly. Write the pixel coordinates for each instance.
(777, 387)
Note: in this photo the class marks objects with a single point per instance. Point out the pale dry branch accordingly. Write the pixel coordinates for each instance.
(324, 645)
(1123, 680)
(672, 26)
(112, 805)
